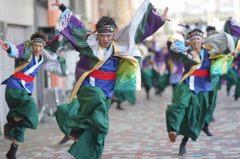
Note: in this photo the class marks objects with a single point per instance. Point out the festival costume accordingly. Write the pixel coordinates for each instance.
(147, 73)
(20, 85)
(232, 27)
(64, 113)
(160, 71)
(236, 67)
(97, 75)
(125, 95)
(187, 114)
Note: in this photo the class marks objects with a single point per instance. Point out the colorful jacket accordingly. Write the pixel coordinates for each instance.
(145, 22)
(216, 51)
(27, 65)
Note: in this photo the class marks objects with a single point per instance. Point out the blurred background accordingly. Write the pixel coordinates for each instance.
(21, 18)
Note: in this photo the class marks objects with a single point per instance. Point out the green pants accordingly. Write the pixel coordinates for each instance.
(187, 113)
(93, 117)
(125, 95)
(64, 113)
(23, 106)
(147, 79)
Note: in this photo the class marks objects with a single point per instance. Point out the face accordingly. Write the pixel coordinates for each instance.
(105, 40)
(37, 49)
(196, 42)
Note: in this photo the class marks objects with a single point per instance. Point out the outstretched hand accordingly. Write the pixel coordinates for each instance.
(4, 45)
(182, 24)
(194, 54)
(235, 53)
(165, 14)
(57, 3)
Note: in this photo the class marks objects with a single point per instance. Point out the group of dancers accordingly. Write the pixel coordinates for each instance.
(110, 64)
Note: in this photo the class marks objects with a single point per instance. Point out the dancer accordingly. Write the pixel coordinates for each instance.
(105, 57)
(125, 95)
(186, 116)
(216, 81)
(147, 73)
(160, 69)
(29, 57)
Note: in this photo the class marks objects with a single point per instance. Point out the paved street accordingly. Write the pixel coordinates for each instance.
(139, 132)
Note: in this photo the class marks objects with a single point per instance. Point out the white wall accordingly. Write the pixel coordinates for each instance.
(19, 12)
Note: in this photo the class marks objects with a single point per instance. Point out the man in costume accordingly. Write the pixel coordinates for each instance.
(232, 27)
(107, 61)
(215, 80)
(29, 57)
(147, 73)
(186, 116)
(160, 69)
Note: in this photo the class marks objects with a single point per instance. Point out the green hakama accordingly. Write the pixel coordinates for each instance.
(215, 80)
(23, 106)
(125, 95)
(64, 113)
(93, 117)
(161, 81)
(186, 115)
(147, 79)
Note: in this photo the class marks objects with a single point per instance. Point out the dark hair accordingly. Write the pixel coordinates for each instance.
(105, 20)
(210, 28)
(39, 35)
(196, 30)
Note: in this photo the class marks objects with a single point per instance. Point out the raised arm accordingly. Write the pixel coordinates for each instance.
(71, 27)
(177, 48)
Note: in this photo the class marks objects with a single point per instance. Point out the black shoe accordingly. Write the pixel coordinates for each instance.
(206, 130)
(76, 134)
(119, 107)
(64, 140)
(236, 98)
(8, 156)
(11, 154)
(182, 149)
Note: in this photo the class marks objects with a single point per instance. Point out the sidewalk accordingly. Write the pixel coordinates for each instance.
(139, 132)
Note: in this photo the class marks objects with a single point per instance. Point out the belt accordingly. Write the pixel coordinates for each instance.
(201, 73)
(23, 76)
(103, 75)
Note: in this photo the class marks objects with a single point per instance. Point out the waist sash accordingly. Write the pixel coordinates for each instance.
(201, 73)
(103, 75)
(23, 76)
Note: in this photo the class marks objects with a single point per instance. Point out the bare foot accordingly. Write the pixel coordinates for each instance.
(172, 136)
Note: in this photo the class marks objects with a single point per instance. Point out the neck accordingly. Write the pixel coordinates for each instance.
(38, 56)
